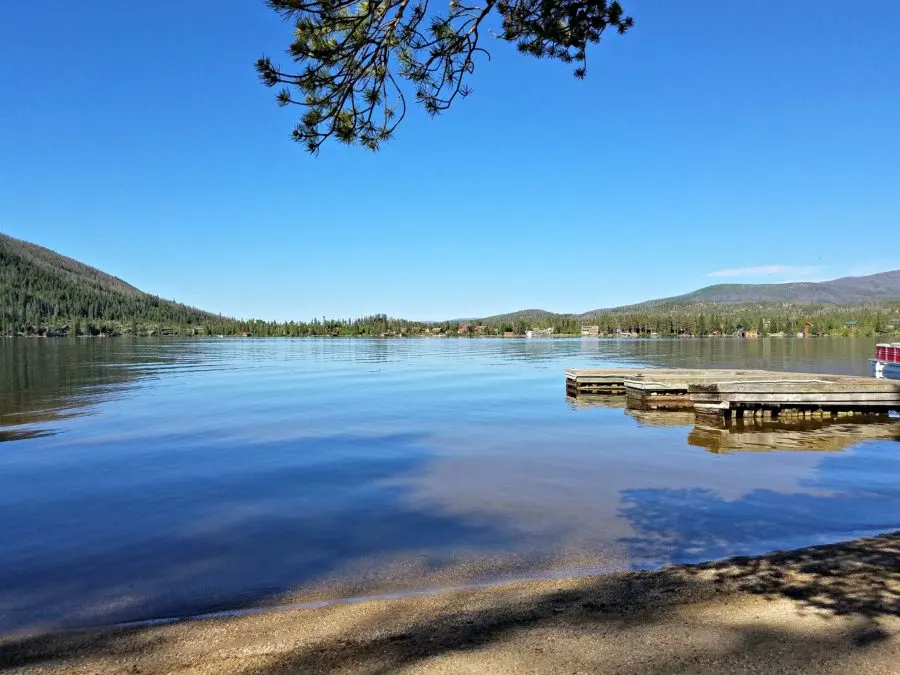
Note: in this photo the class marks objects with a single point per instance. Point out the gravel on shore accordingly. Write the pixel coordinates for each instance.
(825, 609)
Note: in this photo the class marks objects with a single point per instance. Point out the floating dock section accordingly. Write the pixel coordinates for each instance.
(612, 380)
(720, 394)
(832, 396)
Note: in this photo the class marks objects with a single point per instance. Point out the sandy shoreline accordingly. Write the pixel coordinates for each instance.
(823, 609)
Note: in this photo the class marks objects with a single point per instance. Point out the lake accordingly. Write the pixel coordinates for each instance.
(158, 478)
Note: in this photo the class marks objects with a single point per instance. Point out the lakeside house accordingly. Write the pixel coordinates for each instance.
(590, 331)
(539, 332)
(851, 325)
(463, 329)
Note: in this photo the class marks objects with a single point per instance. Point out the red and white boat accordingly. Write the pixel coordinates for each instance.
(886, 363)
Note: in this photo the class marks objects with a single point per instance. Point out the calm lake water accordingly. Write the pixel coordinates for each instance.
(155, 478)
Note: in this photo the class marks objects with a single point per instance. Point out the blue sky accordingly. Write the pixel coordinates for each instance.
(734, 144)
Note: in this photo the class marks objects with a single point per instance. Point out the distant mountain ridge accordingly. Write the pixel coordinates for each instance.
(41, 288)
(881, 287)
(873, 288)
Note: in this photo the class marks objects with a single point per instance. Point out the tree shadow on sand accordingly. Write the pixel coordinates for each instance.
(593, 625)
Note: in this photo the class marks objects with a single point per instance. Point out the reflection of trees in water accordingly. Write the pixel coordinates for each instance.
(47, 380)
(22, 434)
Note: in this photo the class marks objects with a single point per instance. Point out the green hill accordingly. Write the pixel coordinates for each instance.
(873, 288)
(40, 288)
(862, 305)
(528, 315)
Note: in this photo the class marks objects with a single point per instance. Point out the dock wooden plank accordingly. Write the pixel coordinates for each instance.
(796, 397)
(820, 386)
(737, 392)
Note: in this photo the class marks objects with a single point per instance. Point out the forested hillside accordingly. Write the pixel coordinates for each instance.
(866, 305)
(706, 318)
(42, 292)
(40, 288)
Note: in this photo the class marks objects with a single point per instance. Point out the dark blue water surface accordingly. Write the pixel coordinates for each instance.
(154, 478)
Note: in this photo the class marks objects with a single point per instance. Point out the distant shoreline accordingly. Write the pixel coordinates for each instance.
(570, 336)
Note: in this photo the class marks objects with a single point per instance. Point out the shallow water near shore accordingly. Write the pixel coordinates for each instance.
(156, 478)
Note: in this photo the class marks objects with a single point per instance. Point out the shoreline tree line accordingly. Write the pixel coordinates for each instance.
(724, 320)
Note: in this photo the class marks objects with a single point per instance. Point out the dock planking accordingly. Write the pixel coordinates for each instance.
(612, 380)
(831, 396)
(722, 394)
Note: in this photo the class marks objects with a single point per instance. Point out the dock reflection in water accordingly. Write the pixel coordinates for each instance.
(751, 434)
(818, 435)
(660, 418)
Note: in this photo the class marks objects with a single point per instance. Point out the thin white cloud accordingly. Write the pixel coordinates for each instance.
(794, 271)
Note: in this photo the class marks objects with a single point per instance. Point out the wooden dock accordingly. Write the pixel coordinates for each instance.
(612, 380)
(831, 396)
(722, 394)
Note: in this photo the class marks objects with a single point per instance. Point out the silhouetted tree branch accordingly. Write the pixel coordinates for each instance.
(355, 58)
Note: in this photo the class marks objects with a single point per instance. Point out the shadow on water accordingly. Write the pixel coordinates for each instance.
(327, 518)
(692, 525)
